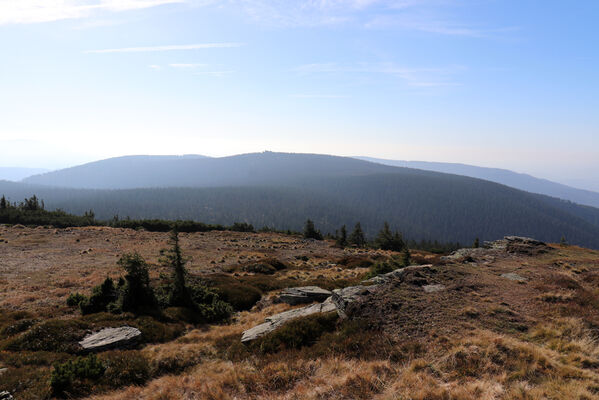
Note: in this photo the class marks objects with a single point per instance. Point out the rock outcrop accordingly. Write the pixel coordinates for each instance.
(491, 250)
(110, 338)
(302, 295)
(273, 322)
(339, 300)
(342, 298)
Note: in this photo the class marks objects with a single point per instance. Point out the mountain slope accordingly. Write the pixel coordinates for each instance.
(505, 177)
(422, 204)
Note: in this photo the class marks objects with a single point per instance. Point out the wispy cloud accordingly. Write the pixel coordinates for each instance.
(196, 46)
(431, 16)
(35, 11)
(415, 77)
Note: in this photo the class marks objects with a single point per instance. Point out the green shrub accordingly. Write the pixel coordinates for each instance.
(383, 267)
(101, 297)
(68, 376)
(75, 299)
(298, 333)
(136, 295)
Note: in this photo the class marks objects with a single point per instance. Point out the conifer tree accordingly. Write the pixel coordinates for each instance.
(386, 240)
(357, 236)
(3, 203)
(342, 237)
(310, 231)
(476, 244)
(137, 295)
(179, 294)
(405, 257)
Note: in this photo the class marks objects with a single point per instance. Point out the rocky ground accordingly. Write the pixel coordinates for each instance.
(517, 319)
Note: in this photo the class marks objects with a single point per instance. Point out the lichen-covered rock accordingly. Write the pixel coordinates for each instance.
(514, 277)
(344, 297)
(433, 288)
(303, 295)
(110, 338)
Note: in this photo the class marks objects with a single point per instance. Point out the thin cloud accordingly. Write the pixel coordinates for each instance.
(183, 47)
(36, 11)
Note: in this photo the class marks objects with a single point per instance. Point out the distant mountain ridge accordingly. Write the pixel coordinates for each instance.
(267, 168)
(506, 177)
(282, 190)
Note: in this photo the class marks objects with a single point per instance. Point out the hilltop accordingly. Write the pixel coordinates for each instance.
(510, 321)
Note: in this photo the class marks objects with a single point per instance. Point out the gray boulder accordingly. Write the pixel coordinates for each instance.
(514, 277)
(109, 338)
(302, 295)
(344, 297)
(433, 288)
(277, 320)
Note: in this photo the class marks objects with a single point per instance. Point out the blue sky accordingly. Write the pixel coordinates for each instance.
(510, 84)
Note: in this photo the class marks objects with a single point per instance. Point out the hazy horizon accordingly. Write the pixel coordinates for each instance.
(585, 184)
(495, 84)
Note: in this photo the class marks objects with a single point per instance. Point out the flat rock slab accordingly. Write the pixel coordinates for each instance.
(433, 288)
(302, 295)
(277, 320)
(514, 277)
(110, 338)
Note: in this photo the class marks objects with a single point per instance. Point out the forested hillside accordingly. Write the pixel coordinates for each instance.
(505, 177)
(447, 208)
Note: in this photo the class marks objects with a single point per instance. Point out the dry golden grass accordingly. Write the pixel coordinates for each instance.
(485, 337)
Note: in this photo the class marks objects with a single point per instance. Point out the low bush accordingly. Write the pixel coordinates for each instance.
(259, 268)
(16, 327)
(75, 299)
(153, 331)
(54, 335)
(383, 267)
(298, 333)
(101, 297)
(355, 339)
(70, 377)
(352, 262)
(241, 296)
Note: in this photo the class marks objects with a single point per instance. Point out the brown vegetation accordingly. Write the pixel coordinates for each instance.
(482, 337)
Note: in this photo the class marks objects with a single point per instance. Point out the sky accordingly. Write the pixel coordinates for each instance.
(500, 83)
